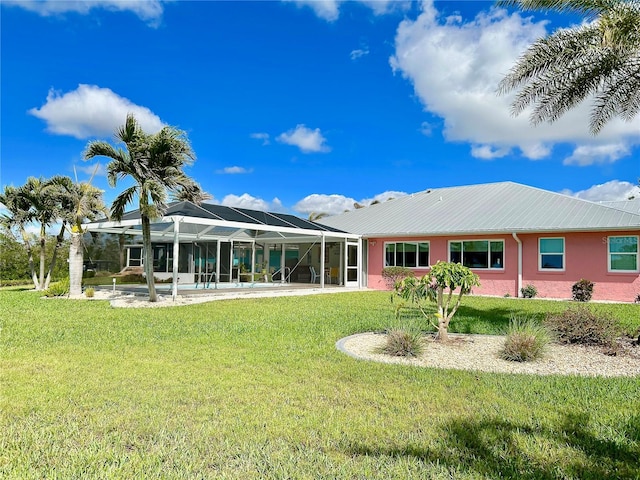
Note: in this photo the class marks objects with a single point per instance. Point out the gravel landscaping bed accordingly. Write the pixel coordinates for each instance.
(481, 352)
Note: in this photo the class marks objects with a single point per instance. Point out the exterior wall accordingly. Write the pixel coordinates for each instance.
(586, 256)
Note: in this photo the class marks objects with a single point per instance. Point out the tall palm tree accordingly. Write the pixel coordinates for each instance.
(18, 217)
(600, 58)
(155, 162)
(81, 201)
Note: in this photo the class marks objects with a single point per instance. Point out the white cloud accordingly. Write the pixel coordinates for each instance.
(426, 129)
(613, 190)
(247, 201)
(470, 60)
(335, 204)
(235, 170)
(261, 136)
(91, 111)
(487, 152)
(603, 153)
(305, 139)
(330, 9)
(148, 10)
(326, 9)
(360, 52)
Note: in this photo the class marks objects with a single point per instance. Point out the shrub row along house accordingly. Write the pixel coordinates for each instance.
(511, 235)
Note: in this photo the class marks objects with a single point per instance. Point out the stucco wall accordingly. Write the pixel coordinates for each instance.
(585, 257)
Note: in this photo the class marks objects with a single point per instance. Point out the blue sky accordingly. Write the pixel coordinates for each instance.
(296, 106)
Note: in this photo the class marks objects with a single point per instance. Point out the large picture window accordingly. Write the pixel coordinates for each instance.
(623, 254)
(551, 254)
(478, 253)
(406, 254)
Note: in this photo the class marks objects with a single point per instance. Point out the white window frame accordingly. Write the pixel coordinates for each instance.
(489, 241)
(417, 244)
(609, 252)
(564, 255)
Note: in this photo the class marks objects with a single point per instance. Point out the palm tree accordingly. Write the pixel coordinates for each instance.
(155, 162)
(600, 58)
(18, 217)
(80, 201)
(44, 208)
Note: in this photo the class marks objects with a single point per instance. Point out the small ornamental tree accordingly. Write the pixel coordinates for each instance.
(439, 285)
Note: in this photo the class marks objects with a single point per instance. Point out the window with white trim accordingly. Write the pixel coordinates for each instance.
(406, 254)
(551, 253)
(623, 253)
(487, 254)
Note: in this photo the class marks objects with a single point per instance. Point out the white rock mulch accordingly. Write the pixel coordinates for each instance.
(481, 353)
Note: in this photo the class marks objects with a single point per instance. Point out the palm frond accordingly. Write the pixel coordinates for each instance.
(121, 201)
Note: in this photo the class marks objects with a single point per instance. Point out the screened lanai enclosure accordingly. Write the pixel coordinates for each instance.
(214, 246)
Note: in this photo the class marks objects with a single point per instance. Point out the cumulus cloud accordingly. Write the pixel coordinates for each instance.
(261, 136)
(471, 58)
(247, 201)
(235, 170)
(91, 111)
(487, 152)
(604, 153)
(335, 204)
(613, 190)
(149, 11)
(305, 139)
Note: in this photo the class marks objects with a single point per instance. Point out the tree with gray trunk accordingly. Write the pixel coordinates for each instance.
(156, 163)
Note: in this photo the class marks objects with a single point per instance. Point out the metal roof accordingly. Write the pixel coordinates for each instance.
(632, 205)
(217, 222)
(488, 208)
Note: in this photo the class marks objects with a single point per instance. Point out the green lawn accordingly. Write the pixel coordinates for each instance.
(255, 388)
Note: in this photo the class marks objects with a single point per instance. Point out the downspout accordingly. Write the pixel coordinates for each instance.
(176, 253)
(519, 242)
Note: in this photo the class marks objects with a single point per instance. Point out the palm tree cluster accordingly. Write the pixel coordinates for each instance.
(45, 202)
(156, 163)
(599, 58)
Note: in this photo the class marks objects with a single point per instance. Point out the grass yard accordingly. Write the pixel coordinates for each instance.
(255, 388)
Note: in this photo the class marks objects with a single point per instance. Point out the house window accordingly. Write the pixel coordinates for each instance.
(478, 253)
(551, 256)
(623, 254)
(406, 254)
(163, 257)
(135, 257)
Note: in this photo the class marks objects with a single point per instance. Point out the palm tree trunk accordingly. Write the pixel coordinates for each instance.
(121, 242)
(148, 257)
(32, 270)
(42, 258)
(54, 257)
(76, 257)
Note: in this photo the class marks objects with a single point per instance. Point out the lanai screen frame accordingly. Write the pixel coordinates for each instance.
(185, 221)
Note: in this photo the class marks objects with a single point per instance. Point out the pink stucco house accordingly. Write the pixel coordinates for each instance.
(510, 234)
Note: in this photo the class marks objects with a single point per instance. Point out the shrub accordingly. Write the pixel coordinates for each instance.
(132, 278)
(529, 291)
(582, 290)
(90, 292)
(403, 343)
(392, 275)
(582, 326)
(89, 274)
(526, 340)
(58, 289)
